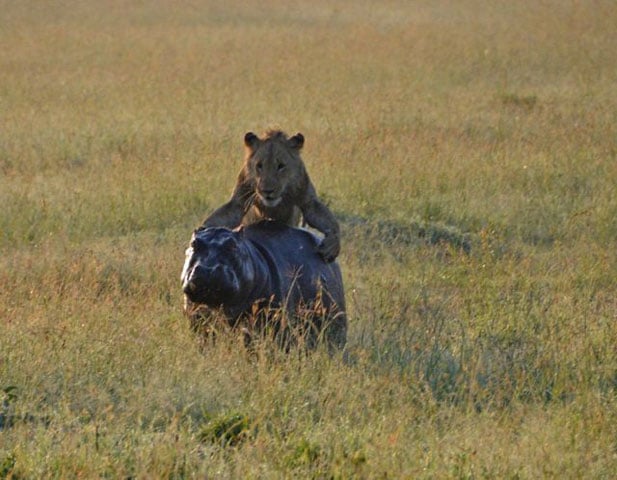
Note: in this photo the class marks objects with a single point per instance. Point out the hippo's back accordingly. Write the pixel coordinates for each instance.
(283, 241)
(303, 274)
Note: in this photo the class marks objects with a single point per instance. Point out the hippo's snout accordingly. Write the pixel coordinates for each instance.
(211, 284)
(189, 287)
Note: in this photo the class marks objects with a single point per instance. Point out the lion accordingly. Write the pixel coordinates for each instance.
(273, 184)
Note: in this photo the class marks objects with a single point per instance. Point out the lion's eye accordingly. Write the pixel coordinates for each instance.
(281, 167)
(259, 166)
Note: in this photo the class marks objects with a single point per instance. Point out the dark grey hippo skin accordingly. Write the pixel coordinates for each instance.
(264, 277)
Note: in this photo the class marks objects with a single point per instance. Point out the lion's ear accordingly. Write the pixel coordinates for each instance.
(251, 140)
(296, 141)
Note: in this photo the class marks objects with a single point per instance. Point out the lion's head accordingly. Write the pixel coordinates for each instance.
(275, 166)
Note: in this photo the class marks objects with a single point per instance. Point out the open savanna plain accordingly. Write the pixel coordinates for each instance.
(469, 151)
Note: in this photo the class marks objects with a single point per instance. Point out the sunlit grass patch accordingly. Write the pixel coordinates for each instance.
(473, 174)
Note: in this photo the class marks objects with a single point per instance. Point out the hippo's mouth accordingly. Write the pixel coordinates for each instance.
(208, 294)
(198, 293)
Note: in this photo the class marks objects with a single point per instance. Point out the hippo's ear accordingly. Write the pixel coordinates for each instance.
(296, 141)
(251, 140)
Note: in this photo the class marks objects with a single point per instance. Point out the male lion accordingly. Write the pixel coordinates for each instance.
(273, 184)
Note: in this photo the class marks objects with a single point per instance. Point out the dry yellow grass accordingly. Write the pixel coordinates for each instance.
(429, 125)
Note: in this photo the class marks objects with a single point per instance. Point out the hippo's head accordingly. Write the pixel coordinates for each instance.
(218, 270)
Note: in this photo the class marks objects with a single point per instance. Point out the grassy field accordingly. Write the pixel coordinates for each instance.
(469, 150)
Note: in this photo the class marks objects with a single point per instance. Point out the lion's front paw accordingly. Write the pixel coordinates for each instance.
(329, 248)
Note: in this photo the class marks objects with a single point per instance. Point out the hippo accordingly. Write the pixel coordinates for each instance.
(265, 278)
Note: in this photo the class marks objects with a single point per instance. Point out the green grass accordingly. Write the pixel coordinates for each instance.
(469, 151)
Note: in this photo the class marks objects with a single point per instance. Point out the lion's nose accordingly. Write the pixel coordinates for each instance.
(268, 192)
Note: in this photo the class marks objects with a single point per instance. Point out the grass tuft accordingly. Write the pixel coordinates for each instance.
(228, 429)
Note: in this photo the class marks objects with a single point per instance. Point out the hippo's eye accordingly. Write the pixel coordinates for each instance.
(229, 245)
(198, 244)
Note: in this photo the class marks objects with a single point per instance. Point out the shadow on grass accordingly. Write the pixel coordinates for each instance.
(411, 233)
(8, 418)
